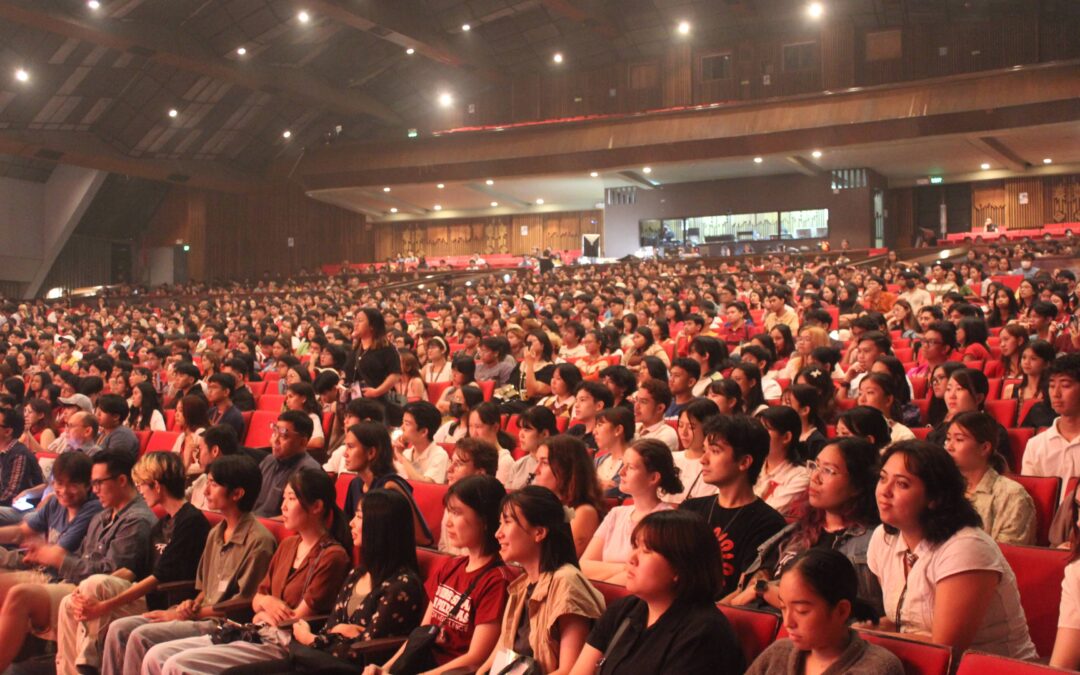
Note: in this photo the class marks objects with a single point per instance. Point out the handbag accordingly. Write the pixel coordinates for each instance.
(417, 656)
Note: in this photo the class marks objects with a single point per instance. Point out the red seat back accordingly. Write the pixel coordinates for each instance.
(144, 438)
(430, 561)
(995, 389)
(277, 528)
(258, 433)
(1039, 572)
(923, 404)
(435, 390)
(170, 419)
(921, 432)
(918, 386)
(1004, 411)
(162, 441)
(977, 663)
(327, 422)
(1018, 440)
(257, 388)
(341, 487)
(488, 388)
(918, 658)
(755, 630)
(903, 353)
(429, 499)
(611, 592)
(1044, 491)
(272, 402)
(213, 517)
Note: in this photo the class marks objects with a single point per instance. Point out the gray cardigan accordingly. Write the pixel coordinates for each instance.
(860, 658)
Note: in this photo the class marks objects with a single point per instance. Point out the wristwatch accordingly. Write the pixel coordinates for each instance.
(760, 588)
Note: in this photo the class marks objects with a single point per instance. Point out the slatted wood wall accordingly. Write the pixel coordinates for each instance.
(1050, 199)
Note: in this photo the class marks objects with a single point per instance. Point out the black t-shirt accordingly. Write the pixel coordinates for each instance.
(688, 639)
(243, 400)
(739, 532)
(377, 364)
(176, 544)
(517, 378)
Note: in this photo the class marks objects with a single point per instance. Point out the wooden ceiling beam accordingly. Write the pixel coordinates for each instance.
(397, 22)
(596, 24)
(173, 48)
(86, 150)
(1001, 152)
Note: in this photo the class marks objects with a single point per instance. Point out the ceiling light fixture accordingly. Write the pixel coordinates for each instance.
(684, 28)
(303, 16)
(410, 51)
(557, 58)
(94, 5)
(539, 201)
(647, 170)
(489, 181)
(438, 207)
(816, 154)
(393, 209)
(173, 113)
(440, 186)
(466, 27)
(286, 134)
(241, 51)
(446, 100)
(386, 189)
(594, 174)
(758, 160)
(21, 75)
(815, 10)
(985, 166)
(1048, 161)
(494, 204)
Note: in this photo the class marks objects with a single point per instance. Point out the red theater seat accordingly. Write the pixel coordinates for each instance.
(611, 592)
(1018, 440)
(1004, 411)
(257, 388)
(341, 487)
(1044, 491)
(213, 517)
(918, 386)
(921, 432)
(144, 439)
(430, 561)
(918, 658)
(273, 402)
(435, 390)
(162, 441)
(1039, 572)
(977, 663)
(429, 499)
(488, 388)
(258, 433)
(755, 630)
(277, 528)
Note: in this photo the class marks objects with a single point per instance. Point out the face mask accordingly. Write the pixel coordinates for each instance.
(457, 410)
(1025, 264)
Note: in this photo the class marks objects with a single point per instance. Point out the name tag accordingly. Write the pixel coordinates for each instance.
(503, 659)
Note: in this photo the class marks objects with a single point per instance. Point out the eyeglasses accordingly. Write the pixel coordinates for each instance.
(814, 466)
(275, 430)
(98, 482)
(933, 342)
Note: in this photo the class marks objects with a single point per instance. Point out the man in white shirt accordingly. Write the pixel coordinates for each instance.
(651, 402)
(1056, 451)
(416, 455)
(915, 295)
(572, 332)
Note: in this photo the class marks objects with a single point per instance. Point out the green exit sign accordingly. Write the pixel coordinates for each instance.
(936, 180)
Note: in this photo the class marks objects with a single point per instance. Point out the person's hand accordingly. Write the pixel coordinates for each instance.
(161, 615)
(302, 632)
(744, 597)
(274, 611)
(347, 630)
(373, 670)
(87, 608)
(186, 610)
(40, 553)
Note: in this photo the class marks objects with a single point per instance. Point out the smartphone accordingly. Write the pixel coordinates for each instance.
(23, 504)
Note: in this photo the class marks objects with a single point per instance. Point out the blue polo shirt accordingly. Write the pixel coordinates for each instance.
(53, 519)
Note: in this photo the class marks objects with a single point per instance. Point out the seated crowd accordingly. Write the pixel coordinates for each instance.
(622, 453)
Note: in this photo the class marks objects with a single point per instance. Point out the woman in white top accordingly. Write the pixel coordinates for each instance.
(461, 401)
(485, 423)
(647, 468)
(192, 417)
(876, 391)
(784, 479)
(943, 578)
(691, 422)
(437, 368)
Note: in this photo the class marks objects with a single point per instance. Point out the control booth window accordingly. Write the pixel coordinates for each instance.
(735, 227)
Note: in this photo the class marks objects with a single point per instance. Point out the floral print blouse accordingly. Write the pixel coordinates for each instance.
(393, 609)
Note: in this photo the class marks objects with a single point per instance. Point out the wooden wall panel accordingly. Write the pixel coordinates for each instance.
(486, 235)
(838, 55)
(1063, 199)
(900, 217)
(677, 76)
(1027, 216)
(988, 201)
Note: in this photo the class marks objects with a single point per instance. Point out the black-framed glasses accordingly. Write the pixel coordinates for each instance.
(98, 482)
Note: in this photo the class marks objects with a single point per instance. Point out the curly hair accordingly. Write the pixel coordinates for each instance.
(948, 509)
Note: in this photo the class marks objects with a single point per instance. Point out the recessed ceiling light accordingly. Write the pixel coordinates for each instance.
(557, 58)
(489, 181)
(438, 207)
(393, 209)
(466, 27)
(540, 201)
(241, 51)
(410, 51)
(985, 166)
(440, 186)
(173, 113)
(494, 204)
(1048, 161)
(594, 174)
(816, 154)
(815, 10)
(386, 189)
(22, 76)
(684, 28)
(647, 170)
(446, 100)
(758, 160)
(286, 134)
(94, 5)
(303, 16)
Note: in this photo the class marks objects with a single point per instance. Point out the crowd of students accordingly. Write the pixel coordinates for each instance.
(795, 438)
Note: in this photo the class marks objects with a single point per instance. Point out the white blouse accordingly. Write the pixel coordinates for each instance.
(1004, 628)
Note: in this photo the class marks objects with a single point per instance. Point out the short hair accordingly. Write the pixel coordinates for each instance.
(325, 381)
(948, 509)
(763, 356)
(745, 435)
(619, 416)
(598, 392)
(484, 455)
(118, 462)
(72, 467)
(1067, 365)
(621, 376)
(946, 330)
(1045, 309)
(539, 418)
(300, 422)
(238, 364)
(869, 423)
(465, 365)
(238, 472)
(692, 367)
(881, 341)
(223, 437)
(224, 380)
(426, 416)
(13, 419)
(659, 390)
(570, 374)
(113, 404)
(161, 467)
(366, 409)
(689, 546)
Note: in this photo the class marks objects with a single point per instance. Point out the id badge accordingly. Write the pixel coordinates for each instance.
(503, 658)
